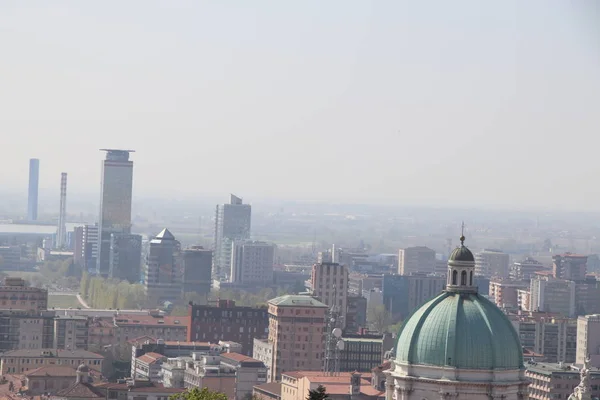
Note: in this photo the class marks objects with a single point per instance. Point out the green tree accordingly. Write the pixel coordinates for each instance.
(378, 317)
(320, 393)
(199, 394)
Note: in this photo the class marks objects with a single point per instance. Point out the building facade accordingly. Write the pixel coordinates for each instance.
(232, 222)
(588, 339)
(163, 275)
(32, 198)
(71, 332)
(125, 257)
(492, 263)
(197, 270)
(20, 361)
(362, 353)
(419, 260)
(568, 266)
(525, 269)
(330, 286)
(505, 293)
(115, 203)
(252, 263)
(553, 295)
(403, 294)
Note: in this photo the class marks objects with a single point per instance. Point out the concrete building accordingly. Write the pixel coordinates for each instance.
(26, 329)
(11, 258)
(525, 269)
(32, 199)
(71, 332)
(148, 366)
(136, 389)
(588, 339)
(252, 263)
(330, 285)
(197, 270)
(557, 381)
(224, 321)
(115, 203)
(296, 385)
(163, 275)
(167, 327)
(61, 229)
(416, 260)
(568, 266)
(505, 293)
(232, 222)
(296, 330)
(402, 294)
(492, 263)
(587, 296)
(125, 257)
(20, 361)
(356, 317)
(524, 299)
(553, 295)
(49, 379)
(362, 353)
(15, 295)
(85, 246)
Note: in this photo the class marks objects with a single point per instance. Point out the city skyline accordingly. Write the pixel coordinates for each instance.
(404, 90)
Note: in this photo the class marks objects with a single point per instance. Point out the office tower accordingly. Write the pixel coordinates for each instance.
(162, 276)
(297, 325)
(61, 232)
(115, 203)
(32, 200)
(492, 263)
(232, 222)
(419, 259)
(588, 339)
(252, 263)
(569, 266)
(125, 257)
(552, 295)
(330, 286)
(197, 270)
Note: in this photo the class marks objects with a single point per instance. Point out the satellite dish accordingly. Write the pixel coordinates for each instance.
(337, 332)
(340, 345)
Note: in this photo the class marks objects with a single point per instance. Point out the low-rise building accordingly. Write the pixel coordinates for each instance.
(556, 381)
(267, 391)
(71, 332)
(505, 293)
(169, 328)
(149, 367)
(296, 385)
(21, 361)
(137, 389)
(16, 295)
(362, 353)
(48, 379)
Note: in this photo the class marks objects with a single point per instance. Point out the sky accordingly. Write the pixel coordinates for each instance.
(397, 102)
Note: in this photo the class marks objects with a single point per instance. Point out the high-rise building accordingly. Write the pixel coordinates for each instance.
(232, 222)
(125, 257)
(552, 295)
(330, 286)
(252, 263)
(61, 231)
(115, 203)
(85, 246)
(402, 294)
(197, 267)
(297, 326)
(414, 260)
(569, 266)
(588, 339)
(162, 275)
(34, 178)
(525, 270)
(505, 293)
(492, 263)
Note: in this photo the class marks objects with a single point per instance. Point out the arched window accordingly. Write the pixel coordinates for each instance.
(471, 278)
(463, 278)
(454, 276)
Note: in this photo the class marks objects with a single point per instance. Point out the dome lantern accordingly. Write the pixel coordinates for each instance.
(461, 268)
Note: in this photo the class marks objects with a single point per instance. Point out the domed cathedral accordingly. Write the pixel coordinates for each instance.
(458, 345)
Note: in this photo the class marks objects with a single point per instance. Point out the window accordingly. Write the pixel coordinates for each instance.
(463, 278)
(471, 279)
(454, 276)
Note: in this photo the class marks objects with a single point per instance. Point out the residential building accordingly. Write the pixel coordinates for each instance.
(248, 372)
(167, 327)
(21, 361)
(504, 292)
(587, 296)
(232, 222)
(83, 387)
(557, 381)
(71, 332)
(125, 257)
(115, 203)
(16, 295)
(588, 339)
(136, 389)
(524, 299)
(48, 379)
(176, 349)
(362, 353)
(197, 270)
(402, 294)
(85, 246)
(330, 286)
(296, 385)
(101, 332)
(296, 329)
(148, 366)
(358, 282)
(568, 266)
(252, 263)
(267, 391)
(61, 229)
(416, 260)
(32, 199)
(224, 321)
(525, 269)
(356, 316)
(26, 330)
(163, 275)
(553, 295)
(263, 351)
(492, 263)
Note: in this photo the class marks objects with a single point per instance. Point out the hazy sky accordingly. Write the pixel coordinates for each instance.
(434, 102)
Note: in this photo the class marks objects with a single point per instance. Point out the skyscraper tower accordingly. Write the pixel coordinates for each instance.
(115, 203)
(61, 234)
(232, 222)
(34, 177)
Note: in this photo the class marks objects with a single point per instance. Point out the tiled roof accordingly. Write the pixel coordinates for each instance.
(238, 357)
(150, 388)
(149, 320)
(81, 391)
(150, 358)
(383, 367)
(272, 388)
(54, 353)
(52, 370)
(142, 339)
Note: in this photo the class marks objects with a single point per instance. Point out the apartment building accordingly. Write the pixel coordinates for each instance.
(362, 353)
(553, 295)
(588, 339)
(419, 259)
(21, 361)
(402, 294)
(330, 286)
(505, 293)
(492, 263)
(252, 263)
(343, 386)
(166, 327)
(569, 266)
(550, 381)
(16, 295)
(71, 332)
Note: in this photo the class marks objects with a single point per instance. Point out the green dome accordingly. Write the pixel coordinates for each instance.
(461, 330)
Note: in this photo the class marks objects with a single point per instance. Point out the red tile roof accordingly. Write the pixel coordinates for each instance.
(52, 370)
(383, 367)
(238, 357)
(81, 391)
(150, 358)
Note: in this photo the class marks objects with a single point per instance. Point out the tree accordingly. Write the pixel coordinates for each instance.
(378, 317)
(320, 393)
(199, 394)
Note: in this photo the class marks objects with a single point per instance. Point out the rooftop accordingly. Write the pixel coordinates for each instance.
(148, 387)
(273, 388)
(37, 353)
(52, 370)
(150, 358)
(81, 390)
(239, 357)
(166, 320)
(296, 301)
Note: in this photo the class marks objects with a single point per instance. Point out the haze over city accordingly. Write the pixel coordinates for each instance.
(443, 103)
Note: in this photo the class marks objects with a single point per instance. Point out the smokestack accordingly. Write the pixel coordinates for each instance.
(62, 230)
